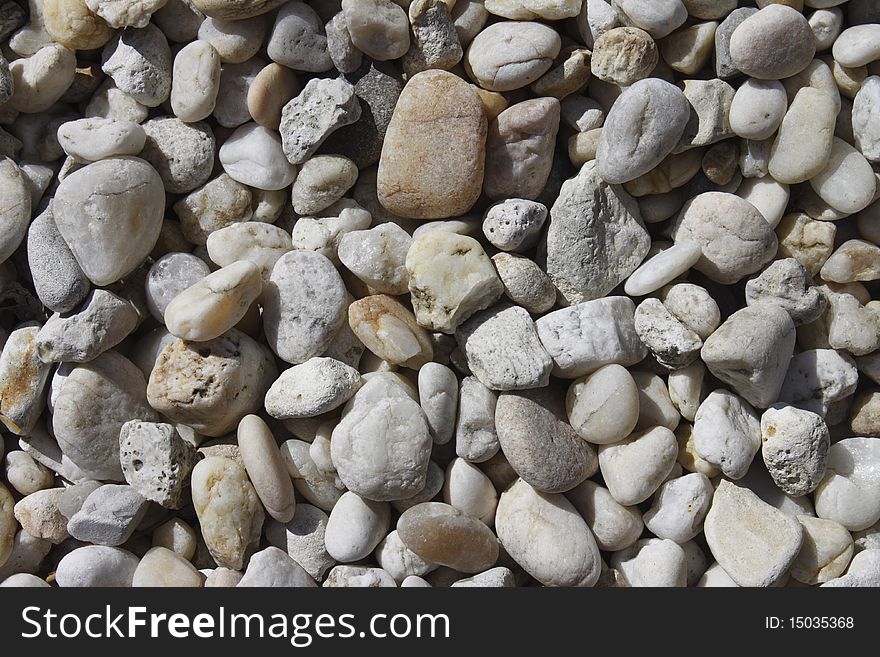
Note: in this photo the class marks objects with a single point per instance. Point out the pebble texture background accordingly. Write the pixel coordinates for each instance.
(439, 293)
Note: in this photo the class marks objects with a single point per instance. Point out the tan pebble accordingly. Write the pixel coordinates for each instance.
(262, 460)
(269, 92)
(571, 74)
(582, 146)
(390, 331)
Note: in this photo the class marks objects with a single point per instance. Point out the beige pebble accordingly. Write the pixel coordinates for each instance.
(269, 92)
(390, 331)
(162, 567)
(262, 460)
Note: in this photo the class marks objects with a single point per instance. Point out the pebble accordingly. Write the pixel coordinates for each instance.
(770, 198)
(214, 304)
(450, 278)
(268, 93)
(323, 106)
(624, 55)
(39, 516)
(758, 108)
(756, 44)
(162, 567)
(850, 491)
(539, 445)
(726, 433)
(476, 439)
(296, 39)
(751, 351)
(826, 551)
(317, 386)
(435, 43)
(734, 237)
(709, 122)
(273, 567)
(525, 283)
(23, 379)
(169, 276)
(234, 41)
(544, 533)
(652, 563)
(785, 283)
(862, 571)
(96, 565)
(118, 13)
(399, 561)
(810, 242)
(381, 450)
(156, 461)
(635, 467)
(514, 225)
(857, 46)
(103, 321)
(26, 476)
(754, 543)
(658, 19)
(510, 55)
(378, 257)
(129, 191)
(355, 527)
(666, 266)
(687, 50)
(390, 331)
(503, 349)
(39, 80)
(304, 304)
(644, 126)
(182, 153)
(221, 202)
(210, 386)
(378, 28)
(414, 180)
(679, 508)
(95, 400)
(655, 406)
(139, 61)
(799, 154)
(260, 243)
(673, 344)
(595, 237)
(358, 577)
(176, 536)
(613, 525)
(441, 534)
(109, 515)
(262, 461)
(59, 281)
(196, 81)
(308, 481)
(92, 139)
(583, 338)
(228, 509)
(816, 378)
(231, 108)
(322, 180)
(603, 407)
(866, 107)
(847, 183)
(303, 539)
(20, 580)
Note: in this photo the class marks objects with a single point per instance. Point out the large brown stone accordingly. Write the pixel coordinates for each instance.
(433, 156)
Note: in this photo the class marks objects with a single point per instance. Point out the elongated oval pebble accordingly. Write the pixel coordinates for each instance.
(664, 267)
(262, 460)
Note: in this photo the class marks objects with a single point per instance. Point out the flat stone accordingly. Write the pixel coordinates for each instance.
(503, 349)
(355, 527)
(540, 446)
(379, 28)
(754, 543)
(652, 563)
(519, 149)
(39, 516)
(442, 534)
(585, 258)
(96, 565)
(857, 46)
(109, 515)
(311, 388)
(525, 283)
(679, 508)
(772, 44)
(297, 40)
(510, 55)
(799, 154)
(866, 107)
(413, 184)
(110, 215)
(666, 266)
(751, 352)
(644, 125)
(253, 155)
(390, 331)
(825, 553)
(613, 525)
(587, 336)
(624, 55)
(758, 108)
(59, 281)
(847, 183)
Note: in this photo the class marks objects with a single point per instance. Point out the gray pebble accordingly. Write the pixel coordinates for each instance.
(673, 344)
(525, 283)
(346, 58)
(273, 567)
(296, 40)
(785, 284)
(96, 565)
(58, 279)
(724, 66)
(514, 224)
(182, 153)
(476, 439)
(109, 515)
(323, 106)
(139, 61)
(156, 461)
(539, 444)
